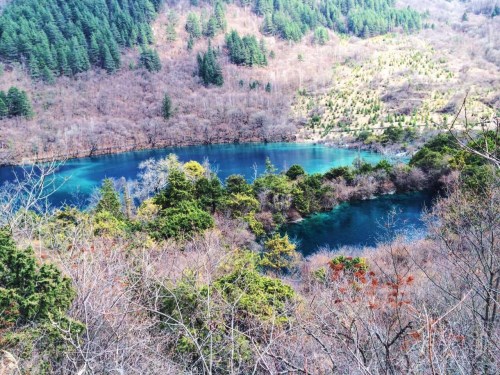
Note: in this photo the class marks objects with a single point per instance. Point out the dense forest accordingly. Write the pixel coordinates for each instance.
(54, 38)
(292, 19)
(68, 37)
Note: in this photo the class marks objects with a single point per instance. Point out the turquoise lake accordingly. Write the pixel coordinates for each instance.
(362, 223)
(349, 224)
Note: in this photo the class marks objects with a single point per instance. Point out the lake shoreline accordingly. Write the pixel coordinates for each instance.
(351, 144)
(81, 154)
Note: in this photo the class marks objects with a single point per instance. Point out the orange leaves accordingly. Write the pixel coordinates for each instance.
(373, 305)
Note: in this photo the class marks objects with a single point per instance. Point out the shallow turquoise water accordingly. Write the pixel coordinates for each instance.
(356, 223)
(87, 173)
(362, 223)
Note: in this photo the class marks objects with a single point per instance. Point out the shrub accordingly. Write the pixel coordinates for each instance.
(295, 171)
(181, 221)
(279, 254)
(28, 292)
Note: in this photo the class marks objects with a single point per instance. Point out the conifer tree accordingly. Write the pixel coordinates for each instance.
(94, 51)
(110, 201)
(193, 26)
(190, 43)
(209, 69)
(29, 293)
(150, 60)
(108, 62)
(47, 75)
(166, 107)
(171, 33)
(4, 111)
(34, 68)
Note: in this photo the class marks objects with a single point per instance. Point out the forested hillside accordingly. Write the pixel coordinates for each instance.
(68, 37)
(292, 19)
(97, 73)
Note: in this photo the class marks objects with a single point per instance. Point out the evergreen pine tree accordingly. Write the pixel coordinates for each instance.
(34, 68)
(110, 201)
(166, 107)
(171, 33)
(190, 43)
(4, 111)
(13, 102)
(193, 26)
(94, 52)
(25, 106)
(108, 62)
(47, 75)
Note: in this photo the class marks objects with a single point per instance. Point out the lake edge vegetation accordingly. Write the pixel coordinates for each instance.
(195, 264)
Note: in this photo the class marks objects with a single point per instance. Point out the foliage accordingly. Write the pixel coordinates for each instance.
(321, 36)
(436, 153)
(193, 170)
(292, 19)
(295, 171)
(178, 189)
(216, 22)
(246, 50)
(106, 224)
(150, 60)
(255, 226)
(68, 37)
(166, 107)
(348, 263)
(109, 200)
(393, 134)
(209, 69)
(210, 193)
(181, 221)
(29, 293)
(240, 204)
(279, 254)
(15, 104)
(200, 315)
(236, 184)
(345, 172)
(260, 296)
(193, 26)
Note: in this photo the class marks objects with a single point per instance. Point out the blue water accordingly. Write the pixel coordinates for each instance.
(86, 174)
(362, 223)
(357, 223)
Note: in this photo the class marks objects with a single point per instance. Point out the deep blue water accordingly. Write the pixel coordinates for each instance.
(87, 173)
(362, 223)
(357, 223)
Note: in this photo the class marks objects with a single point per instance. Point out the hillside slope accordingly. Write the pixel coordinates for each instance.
(95, 112)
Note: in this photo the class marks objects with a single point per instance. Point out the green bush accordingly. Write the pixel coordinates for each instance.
(295, 171)
(29, 293)
(183, 220)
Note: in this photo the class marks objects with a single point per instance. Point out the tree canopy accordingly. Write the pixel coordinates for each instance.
(68, 37)
(15, 103)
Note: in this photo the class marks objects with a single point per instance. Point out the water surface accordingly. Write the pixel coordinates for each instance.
(87, 173)
(356, 223)
(362, 223)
